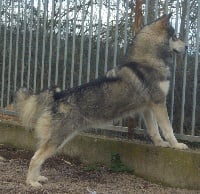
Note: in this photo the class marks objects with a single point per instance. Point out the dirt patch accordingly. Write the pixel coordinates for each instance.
(70, 176)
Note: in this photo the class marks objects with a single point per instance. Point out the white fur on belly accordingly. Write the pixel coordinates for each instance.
(164, 86)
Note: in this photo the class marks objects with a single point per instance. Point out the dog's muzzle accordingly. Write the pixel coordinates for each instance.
(178, 46)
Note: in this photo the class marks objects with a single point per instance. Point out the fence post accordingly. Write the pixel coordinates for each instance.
(137, 26)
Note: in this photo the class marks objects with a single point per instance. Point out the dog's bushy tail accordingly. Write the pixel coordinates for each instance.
(26, 107)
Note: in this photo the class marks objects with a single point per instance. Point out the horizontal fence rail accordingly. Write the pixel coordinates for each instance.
(67, 43)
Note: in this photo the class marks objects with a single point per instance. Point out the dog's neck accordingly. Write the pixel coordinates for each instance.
(159, 65)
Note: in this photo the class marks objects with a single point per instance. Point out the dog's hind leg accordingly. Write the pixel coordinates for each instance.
(45, 151)
(160, 112)
(152, 129)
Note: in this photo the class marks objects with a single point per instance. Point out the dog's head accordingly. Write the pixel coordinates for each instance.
(164, 28)
(157, 38)
(175, 44)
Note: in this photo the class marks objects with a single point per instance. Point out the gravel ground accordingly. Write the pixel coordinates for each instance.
(70, 176)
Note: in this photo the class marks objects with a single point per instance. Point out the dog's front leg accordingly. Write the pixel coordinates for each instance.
(152, 129)
(161, 115)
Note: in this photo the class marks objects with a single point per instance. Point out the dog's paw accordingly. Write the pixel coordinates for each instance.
(164, 144)
(180, 146)
(42, 179)
(35, 184)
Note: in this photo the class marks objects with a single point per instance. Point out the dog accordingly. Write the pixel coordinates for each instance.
(140, 85)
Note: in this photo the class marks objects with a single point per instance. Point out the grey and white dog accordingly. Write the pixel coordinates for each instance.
(138, 86)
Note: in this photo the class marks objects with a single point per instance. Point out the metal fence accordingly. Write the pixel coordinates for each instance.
(66, 43)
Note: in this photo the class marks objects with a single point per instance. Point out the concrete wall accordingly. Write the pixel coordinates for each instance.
(164, 165)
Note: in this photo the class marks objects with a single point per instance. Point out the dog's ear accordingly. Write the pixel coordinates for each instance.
(163, 20)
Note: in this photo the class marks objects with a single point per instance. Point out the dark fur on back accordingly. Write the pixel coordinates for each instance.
(95, 83)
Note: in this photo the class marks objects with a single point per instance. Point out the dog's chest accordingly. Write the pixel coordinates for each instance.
(164, 86)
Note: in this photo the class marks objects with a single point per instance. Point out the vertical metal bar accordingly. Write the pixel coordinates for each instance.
(196, 72)
(4, 62)
(51, 43)
(66, 45)
(90, 41)
(174, 69)
(30, 45)
(43, 43)
(116, 35)
(16, 47)
(124, 52)
(177, 16)
(36, 47)
(156, 9)
(126, 25)
(184, 70)
(82, 41)
(0, 17)
(58, 43)
(10, 52)
(146, 12)
(107, 38)
(23, 47)
(98, 39)
(73, 44)
(166, 6)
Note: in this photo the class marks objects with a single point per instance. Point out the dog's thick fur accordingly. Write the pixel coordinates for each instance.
(138, 86)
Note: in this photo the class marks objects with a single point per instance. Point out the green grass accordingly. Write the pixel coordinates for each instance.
(117, 166)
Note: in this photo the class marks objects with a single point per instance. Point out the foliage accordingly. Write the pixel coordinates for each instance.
(117, 165)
